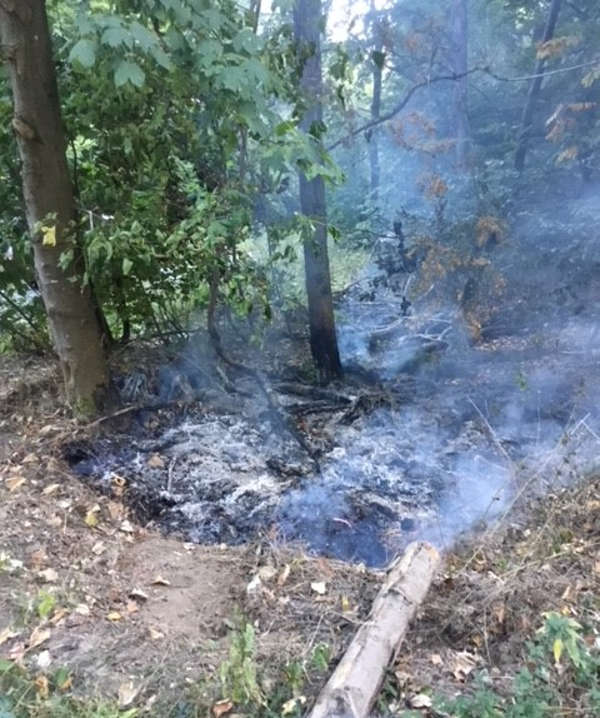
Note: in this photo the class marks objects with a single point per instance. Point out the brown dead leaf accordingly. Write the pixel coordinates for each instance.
(41, 687)
(51, 489)
(132, 607)
(99, 548)
(127, 694)
(15, 482)
(463, 664)
(156, 462)
(17, 652)
(48, 575)
(38, 558)
(38, 636)
(160, 581)
(66, 684)
(221, 708)
(436, 659)
(115, 510)
(422, 700)
(284, 575)
(7, 633)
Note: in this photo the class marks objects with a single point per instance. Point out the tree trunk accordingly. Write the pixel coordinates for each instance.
(49, 201)
(534, 89)
(460, 46)
(373, 135)
(323, 340)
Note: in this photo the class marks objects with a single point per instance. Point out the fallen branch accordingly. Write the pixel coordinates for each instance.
(355, 683)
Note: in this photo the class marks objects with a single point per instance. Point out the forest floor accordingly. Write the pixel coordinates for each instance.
(94, 605)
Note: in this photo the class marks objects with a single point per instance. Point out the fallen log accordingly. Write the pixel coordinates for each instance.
(354, 685)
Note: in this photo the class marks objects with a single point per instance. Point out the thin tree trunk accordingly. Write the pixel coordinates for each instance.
(534, 89)
(460, 49)
(49, 200)
(323, 340)
(373, 135)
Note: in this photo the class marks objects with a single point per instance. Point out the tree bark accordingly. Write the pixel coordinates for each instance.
(355, 683)
(323, 341)
(460, 49)
(49, 200)
(534, 89)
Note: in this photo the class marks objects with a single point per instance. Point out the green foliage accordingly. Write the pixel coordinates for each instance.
(561, 672)
(238, 674)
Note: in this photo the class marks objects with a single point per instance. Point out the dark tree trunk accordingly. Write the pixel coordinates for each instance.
(323, 341)
(460, 49)
(49, 200)
(373, 135)
(534, 90)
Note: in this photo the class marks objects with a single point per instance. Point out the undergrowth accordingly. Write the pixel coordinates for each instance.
(559, 676)
(22, 696)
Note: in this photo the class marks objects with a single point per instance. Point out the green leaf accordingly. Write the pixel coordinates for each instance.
(142, 35)
(127, 265)
(83, 52)
(128, 71)
(161, 57)
(115, 36)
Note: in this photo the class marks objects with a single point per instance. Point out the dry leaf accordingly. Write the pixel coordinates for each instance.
(155, 634)
(436, 659)
(463, 664)
(52, 488)
(127, 527)
(91, 519)
(160, 581)
(266, 573)
(82, 609)
(132, 607)
(14, 482)
(138, 593)
(66, 684)
(114, 616)
(30, 459)
(222, 708)
(319, 587)
(38, 558)
(99, 548)
(7, 633)
(17, 652)
(49, 575)
(290, 706)
(58, 616)
(284, 575)
(422, 700)
(346, 608)
(115, 510)
(38, 636)
(127, 694)
(41, 687)
(156, 462)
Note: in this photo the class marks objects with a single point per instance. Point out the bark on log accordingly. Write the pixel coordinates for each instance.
(355, 683)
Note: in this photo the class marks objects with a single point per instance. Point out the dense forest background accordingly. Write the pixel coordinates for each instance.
(208, 143)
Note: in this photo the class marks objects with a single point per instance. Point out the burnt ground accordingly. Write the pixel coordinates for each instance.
(134, 610)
